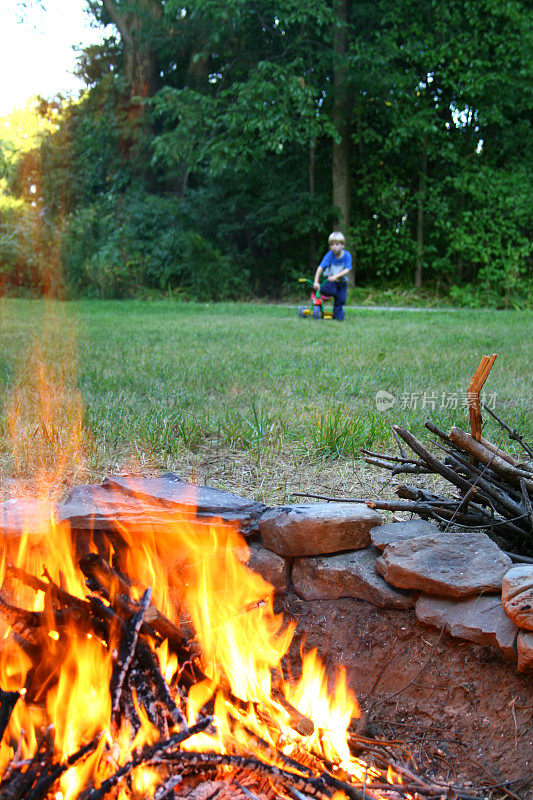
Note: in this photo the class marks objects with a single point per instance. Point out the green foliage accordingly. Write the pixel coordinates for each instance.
(199, 161)
(168, 433)
(122, 243)
(491, 234)
(468, 296)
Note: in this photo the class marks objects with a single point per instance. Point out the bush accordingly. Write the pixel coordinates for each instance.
(207, 274)
(122, 244)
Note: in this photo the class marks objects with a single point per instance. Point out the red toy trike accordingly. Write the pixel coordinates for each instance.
(317, 309)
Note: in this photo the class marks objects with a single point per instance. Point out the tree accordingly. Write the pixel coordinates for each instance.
(246, 131)
(341, 116)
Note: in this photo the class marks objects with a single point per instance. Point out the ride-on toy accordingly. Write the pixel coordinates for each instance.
(317, 309)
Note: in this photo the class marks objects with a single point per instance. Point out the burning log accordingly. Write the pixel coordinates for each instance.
(50, 589)
(104, 579)
(108, 582)
(145, 659)
(8, 701)
(25, 620)
(46, 781)
(166, 789)
(146, 756)
(298, 721)
(126, 652)
(249, 732)
(319, 787)
(16, 784)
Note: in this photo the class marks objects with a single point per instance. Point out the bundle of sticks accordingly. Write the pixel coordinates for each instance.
(128, 628)
(495, 489)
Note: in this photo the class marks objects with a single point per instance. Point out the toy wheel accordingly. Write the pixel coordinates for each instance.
(301, 311)
(317, 313)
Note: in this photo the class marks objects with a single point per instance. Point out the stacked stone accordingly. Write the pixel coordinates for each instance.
(329, 548)
(459, 576)
(517, 599)
(453, 581)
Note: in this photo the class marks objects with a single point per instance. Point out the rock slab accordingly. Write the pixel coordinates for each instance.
(271, 567)
(155, 502)
(478, 619)
(310, 529)
(524, 645)
(29, 515)
(171, 491)
(96, 508)
(446, 564)
(393, 532)
(517, 595)
(347, 575)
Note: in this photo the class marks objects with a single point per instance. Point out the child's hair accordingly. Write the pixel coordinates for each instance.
(336, 236)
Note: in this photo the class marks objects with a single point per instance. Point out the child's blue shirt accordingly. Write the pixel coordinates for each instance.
(331, 265)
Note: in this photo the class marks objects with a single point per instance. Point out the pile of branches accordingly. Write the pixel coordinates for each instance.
(130, 628)
(494, 489)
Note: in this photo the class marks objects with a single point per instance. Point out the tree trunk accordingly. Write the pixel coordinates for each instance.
(422, 180)
(312, 189)
(341, 119)
(460, 263)
(140, 67)
(140, 71)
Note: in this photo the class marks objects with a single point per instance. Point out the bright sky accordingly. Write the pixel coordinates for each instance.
(36, 55)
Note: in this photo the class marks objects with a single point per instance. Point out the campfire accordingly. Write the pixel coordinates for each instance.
(149, 662)
(157, 665)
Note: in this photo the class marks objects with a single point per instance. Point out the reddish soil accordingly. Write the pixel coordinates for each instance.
(463, 710)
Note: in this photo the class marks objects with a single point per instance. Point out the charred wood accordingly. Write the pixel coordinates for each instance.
(144, 657)
(206, 762)
(45, 782)
(106, 581)
(8, 700)
(126, 652)
(146, 756)
(166, 790)
(17, 784)
(59, 595)
(298, 721)
(127, 709)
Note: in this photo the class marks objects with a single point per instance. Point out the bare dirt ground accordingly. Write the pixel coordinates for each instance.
(463, 710)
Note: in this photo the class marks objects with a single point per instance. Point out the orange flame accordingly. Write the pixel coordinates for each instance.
(44, 413)
(200, 581)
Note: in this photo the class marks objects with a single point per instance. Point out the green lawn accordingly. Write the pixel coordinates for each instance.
(249, 396)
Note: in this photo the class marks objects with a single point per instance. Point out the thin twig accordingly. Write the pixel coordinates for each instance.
(513, 434)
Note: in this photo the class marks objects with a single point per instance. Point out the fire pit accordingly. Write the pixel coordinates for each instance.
(151, 662)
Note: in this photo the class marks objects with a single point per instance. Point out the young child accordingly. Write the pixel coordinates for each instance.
(335, 266)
